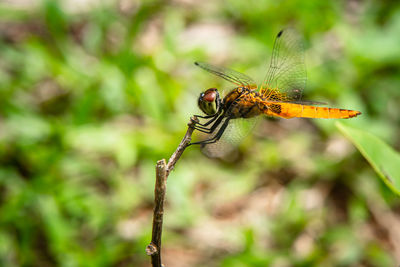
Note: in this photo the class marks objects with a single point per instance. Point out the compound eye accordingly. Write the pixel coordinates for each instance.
(208, 101)
(210, 96)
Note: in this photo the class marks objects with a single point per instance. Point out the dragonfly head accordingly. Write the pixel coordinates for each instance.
(209, 101)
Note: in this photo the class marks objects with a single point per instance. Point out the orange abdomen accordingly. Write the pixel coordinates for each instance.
(288, 110)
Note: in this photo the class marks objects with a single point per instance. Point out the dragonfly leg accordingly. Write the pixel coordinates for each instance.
(201, 130)
(216, 137)
(204, 126)
(213, 118)
(212, 128)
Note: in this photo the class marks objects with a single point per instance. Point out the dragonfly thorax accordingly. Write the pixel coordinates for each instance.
(209, 101)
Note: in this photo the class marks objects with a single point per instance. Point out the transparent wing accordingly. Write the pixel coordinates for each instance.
(286, 77)
(232, 76)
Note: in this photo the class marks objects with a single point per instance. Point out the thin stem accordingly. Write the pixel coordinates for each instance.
(184, 143)
(154, 248)
(162, 171)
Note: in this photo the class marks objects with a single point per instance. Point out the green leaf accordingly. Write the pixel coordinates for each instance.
(384, 159)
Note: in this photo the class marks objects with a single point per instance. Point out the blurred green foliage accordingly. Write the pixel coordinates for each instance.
(382, 157)
(93, 93)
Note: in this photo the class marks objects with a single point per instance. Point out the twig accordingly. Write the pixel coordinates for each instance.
(184, 143)
(154, 248)
(162, 172)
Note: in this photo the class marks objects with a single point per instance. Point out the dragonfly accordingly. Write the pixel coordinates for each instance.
(279, 95)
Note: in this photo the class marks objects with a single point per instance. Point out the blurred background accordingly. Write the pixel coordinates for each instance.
(93, 93)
